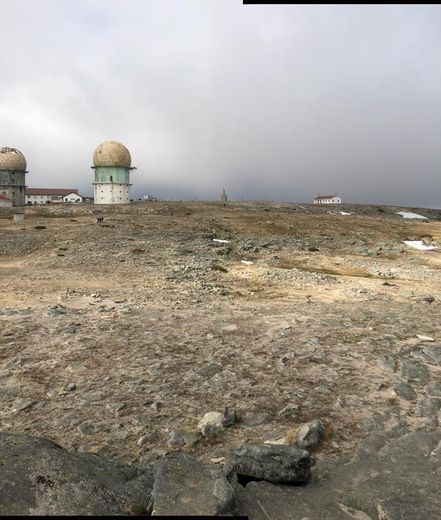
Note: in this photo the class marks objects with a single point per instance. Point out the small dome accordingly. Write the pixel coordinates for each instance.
(12, 159)
(112, 153)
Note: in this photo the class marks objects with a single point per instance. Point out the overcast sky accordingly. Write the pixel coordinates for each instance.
(281, 101)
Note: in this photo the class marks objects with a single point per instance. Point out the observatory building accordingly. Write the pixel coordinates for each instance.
(112, 165)
(12, 175)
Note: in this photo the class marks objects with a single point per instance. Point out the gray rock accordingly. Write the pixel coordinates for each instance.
(224, 494)
(433, 354)
(252, 419)
(388, 363)
(427, 407)
(151, 456)
(405, 391)
(38, 477)
(176, 438)
(229, 416)
(309, 435)
(433, 390)
(184, 487)
(413, 371)
(290, 410)
(274, 463)
(88, 428)
(21, 404)
(117, 407)
(212, 424)
(156, 406)
(182, 438)
(396, 478)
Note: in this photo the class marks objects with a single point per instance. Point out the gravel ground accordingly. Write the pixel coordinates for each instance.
(135, 328)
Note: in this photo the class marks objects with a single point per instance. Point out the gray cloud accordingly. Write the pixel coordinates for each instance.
(281, 102)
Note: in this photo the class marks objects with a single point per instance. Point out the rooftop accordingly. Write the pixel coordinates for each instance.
(50, 191)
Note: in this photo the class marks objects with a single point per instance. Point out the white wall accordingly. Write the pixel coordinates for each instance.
(111, 194)
(72, 197)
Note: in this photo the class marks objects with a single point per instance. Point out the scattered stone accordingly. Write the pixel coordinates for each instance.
(148, 438)
(70, 387)
(280, 464)
(217, 267)
(425, 338)
(277, 441)
(290, 410)
(176, 439)
(212, 424)
(117, 407)
(229, 328)
(229, 416)
(156, 406)
(21, 404)
(309, 435)
(182, 438)
(252, 419)
(88, 428)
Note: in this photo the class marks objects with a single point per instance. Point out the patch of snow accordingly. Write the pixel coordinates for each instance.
(418, 244)
(344, 213)
(221, 241)
(407, 214)
(247, 262)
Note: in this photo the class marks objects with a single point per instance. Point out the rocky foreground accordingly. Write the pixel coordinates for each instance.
(172, 334)
(392, 476)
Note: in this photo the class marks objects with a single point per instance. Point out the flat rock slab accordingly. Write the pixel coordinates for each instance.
(39, 477)
(413, 371)
(390, 478)
(274, 463)
(184, 487)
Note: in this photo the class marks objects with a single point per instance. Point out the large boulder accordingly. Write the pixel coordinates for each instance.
(274, 463)
(393, 476)
(39, 477)
(184, 487)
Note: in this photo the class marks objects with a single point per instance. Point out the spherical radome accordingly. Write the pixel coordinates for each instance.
(112, 153)
(12, 159)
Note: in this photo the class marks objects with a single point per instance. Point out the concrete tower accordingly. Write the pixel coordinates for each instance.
(112, 165)
(12, 175)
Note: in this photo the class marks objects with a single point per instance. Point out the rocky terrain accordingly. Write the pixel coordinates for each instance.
(118, 337)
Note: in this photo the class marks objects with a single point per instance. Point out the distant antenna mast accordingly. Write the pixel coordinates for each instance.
(223, 197)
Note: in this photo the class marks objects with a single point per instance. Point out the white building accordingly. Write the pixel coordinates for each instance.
(52, 195)
(327, 199)
(73, 197)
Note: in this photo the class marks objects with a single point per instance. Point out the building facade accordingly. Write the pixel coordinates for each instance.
(73, 198)
(5, 202)
(327, 199)
(112, 165)
(52, 195)
(12, 175)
